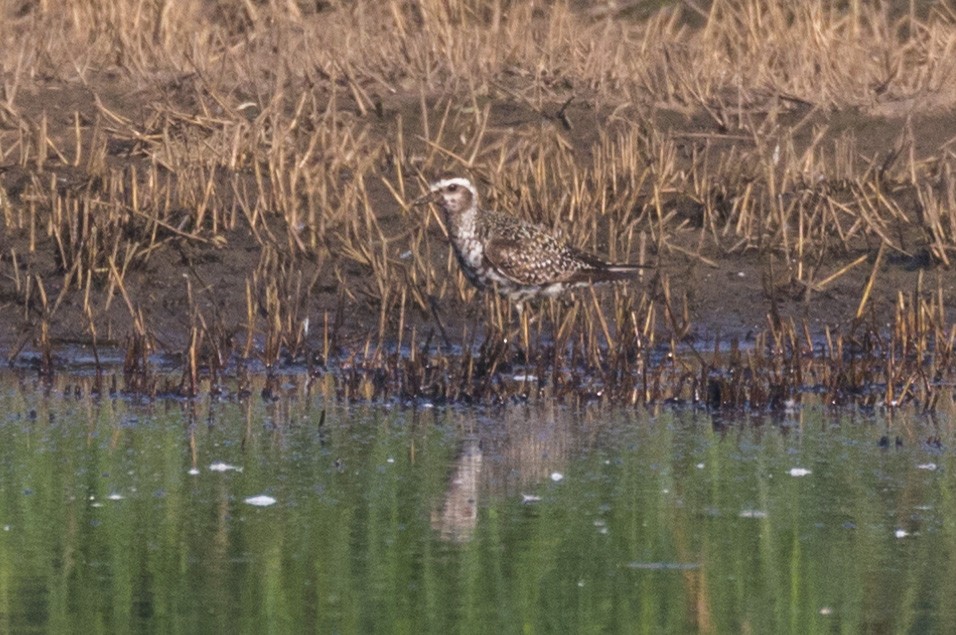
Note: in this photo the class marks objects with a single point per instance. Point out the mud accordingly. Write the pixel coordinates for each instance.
(730, 294)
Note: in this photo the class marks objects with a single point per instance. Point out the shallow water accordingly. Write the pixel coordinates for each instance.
(302, 514)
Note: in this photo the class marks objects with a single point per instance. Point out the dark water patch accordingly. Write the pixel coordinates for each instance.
(774, 373)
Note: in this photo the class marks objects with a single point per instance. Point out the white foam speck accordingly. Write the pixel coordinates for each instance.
(224, 467)
(261, 500)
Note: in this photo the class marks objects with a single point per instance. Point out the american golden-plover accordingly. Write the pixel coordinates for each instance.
(520, 260)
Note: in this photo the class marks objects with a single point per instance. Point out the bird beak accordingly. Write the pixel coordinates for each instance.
(425, 199)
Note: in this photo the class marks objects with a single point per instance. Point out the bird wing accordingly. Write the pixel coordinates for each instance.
(589, 260)
(507, 257)
(524, 264)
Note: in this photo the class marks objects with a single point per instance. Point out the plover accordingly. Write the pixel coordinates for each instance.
(518, 259)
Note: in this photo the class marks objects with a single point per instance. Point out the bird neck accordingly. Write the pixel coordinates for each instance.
(462, 223)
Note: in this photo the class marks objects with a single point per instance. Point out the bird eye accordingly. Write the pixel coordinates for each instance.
(453, 187)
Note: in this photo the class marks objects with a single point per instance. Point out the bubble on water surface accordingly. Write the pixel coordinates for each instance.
(224, 467)
(261, 500)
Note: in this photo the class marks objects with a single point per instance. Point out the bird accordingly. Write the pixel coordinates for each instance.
(518, 259)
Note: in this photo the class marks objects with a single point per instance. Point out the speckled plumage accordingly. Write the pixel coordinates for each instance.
(520, 260)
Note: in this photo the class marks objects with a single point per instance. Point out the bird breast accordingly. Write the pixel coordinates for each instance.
(470, 251)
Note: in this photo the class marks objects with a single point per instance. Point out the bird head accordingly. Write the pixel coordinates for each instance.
(454, 195)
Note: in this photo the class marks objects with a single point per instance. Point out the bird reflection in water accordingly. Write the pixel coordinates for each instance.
(456, 519)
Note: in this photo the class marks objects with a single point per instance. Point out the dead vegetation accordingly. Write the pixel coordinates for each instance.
(235, 191)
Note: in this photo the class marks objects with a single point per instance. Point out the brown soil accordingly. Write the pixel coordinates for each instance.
(733, 294)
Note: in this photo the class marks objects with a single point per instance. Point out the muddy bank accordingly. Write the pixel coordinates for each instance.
(220, 274)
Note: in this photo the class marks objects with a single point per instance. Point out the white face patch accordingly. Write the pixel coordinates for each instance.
(439, 186)
(457, 195)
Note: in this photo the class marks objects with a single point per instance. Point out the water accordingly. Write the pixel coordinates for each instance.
(303, 515)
